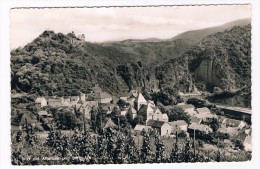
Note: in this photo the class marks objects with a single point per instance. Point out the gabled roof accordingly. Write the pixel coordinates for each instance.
(39, 99)
(195, 120)
(42, 113)
(140, 98)
(139, 127)
(186, 106)
(132, 110)
(178, 123)
(126, 94)
(57, 99)
(155, 123)
(229, 130)
(232, 122)
(66, 104)
(110, 123)
(205, 115)
(200, 127)
(203, 110)
(102, 95)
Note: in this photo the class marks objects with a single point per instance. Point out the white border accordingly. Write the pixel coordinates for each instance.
(6, 5)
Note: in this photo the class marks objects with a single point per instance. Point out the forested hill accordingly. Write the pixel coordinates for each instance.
(224, 60)
(58, 64)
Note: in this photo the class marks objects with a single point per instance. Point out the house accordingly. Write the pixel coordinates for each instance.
(157, 114)
(195, 120)
(110, 123)
(165, 117)
(149, 112)
(244, 135)
(40, 102)
(139, 101)
(163, 128)
(132, 112)
(205, 114)
(199, 128)
(43, 114)
(233, 123)
(66, 103)
(231, 131)
(206, 117)
(188, 108)
(178, 126)
(55, 102)
(106, 106)
(103, 97)
(140, 128)
(203, 110)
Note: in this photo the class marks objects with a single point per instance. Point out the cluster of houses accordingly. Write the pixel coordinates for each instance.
(154, 119)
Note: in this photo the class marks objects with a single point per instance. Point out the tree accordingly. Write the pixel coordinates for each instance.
(198, 103)
(178, 114)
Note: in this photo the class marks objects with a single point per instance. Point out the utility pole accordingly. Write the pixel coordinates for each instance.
(84, 123)
(118, 122)
(194, 150)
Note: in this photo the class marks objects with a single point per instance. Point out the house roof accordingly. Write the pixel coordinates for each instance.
(126, 94)
(200, 127)
(229, 130)
(186, 106)
(102, 95)
(55, 100)
(66, 104)
(42, 113)
(232, 122)
(140, 98)
(39, 99)
(205, 115)
(139, 127)
(132, 110)
(169, 107)
(178, 123)
(89, 103)
(203, 110)
(155, 123)
(195, 120)
(110, 123)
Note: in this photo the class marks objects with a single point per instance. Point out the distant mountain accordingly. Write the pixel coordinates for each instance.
(197, 35)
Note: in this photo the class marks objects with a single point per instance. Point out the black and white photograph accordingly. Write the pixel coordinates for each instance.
(130, 84)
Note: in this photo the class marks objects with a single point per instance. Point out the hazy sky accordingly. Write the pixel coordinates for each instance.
(105, 24)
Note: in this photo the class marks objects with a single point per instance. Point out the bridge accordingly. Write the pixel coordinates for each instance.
(239, 113)
(238, 109)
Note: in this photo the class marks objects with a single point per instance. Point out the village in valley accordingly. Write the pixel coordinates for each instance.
(79, 98)
(216, 131)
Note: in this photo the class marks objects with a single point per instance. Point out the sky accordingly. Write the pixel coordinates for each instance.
(114, 23)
